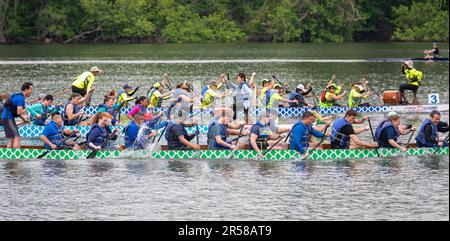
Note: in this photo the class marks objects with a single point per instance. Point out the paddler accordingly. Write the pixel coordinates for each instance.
(177, 136)
(342, 132)
(132, 130)
(218, 132)
(434, 52)
(330, 95)
(241, 96)
(357, 94)
(389, 130)
(53, 135)
(155, 95)
(110, 107)
(124, 95)
(141, 105)
(14, 107)
(99, 136)
(413, 78)
(39, 112)
(428, 132)
(181, 99)
(302, 132)
(73, 112)
(298, 95)
(261, 133)
(209, 94)
(274, 96)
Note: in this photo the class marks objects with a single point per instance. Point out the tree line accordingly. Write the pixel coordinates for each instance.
(202, 21)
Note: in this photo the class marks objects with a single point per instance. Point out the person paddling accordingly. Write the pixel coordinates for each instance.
(330, 95)
(434, 51)
(261, 133)
(156, 96)
(99, 135)
(136, 137)
(302, 132)
(342, 132)
(15, 107)
(124, 95)
(39, 112)
(177, 136)
(389, 130)
(357, 94)
(241, 96)
(218, 133)
(73, 112)
(428, 132)
(110, 107)
(53, 135)
(209, 94)
(298, 95)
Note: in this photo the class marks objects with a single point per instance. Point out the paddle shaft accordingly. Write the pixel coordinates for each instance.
(278, 141)
(373, 137)
(94, 152)
(410, 137)
(58, 148)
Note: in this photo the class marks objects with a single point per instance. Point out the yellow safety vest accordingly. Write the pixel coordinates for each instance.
(413, 76)
(84, 81)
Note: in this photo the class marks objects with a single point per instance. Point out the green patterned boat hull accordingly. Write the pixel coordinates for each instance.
(328, 154)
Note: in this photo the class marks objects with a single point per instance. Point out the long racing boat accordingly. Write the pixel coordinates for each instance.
(320, 154)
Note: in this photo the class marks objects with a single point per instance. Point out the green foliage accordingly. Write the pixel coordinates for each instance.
(422, 21)
(202, 21)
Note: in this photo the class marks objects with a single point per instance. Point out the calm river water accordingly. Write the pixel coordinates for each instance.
(393, 189)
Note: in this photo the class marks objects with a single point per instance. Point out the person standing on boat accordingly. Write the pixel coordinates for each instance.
(261, 133)
(132, 131)
(155, 95)
(124, 95)
(389, 130)
(241, 96)
(413, 78)
(357, 94)
(342, 132)
(40, 111)
(84, 83)
(15, 107)
(434, 52)
(100, 135)
(330, 95)
(302, 131)
(428, 131)
(53, 135)
(177, 136)
(218, 133)
(300, 91)
(73, 112)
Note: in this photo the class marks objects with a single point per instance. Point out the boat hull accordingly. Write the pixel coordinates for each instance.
(324, 154)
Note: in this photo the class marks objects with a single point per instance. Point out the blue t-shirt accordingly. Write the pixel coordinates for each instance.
(17, 100)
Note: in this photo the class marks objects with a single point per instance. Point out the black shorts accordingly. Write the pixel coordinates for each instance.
(11, 129)
(77, 90)
(404, 87)
(234, 107)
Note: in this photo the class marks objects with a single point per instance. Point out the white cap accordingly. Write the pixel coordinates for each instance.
(95, 69)
(41, 96)
(301, 87)
(392, 113)
(409, 64)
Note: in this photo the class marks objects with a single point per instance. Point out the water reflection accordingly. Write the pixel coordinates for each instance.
(433, 162)
(16, 172)
(223, 167)
(266, 168)
(54, 167)
(137, 167)
(99, 168)
(391, 164)
(178, 166)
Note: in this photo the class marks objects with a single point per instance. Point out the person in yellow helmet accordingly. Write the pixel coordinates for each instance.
(84, 83)
(413, 78)
(155, 95)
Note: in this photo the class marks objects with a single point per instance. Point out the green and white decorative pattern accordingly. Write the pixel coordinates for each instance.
(327, 154)
(32, 131)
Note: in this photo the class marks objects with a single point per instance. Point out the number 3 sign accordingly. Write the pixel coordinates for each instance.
(433, 98)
